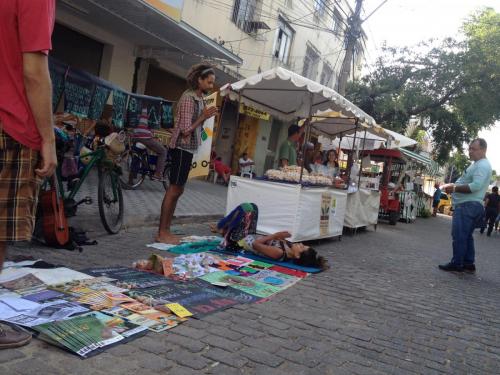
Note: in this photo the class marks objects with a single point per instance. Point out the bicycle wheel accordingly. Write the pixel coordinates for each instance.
(110, 201)
(133, 168)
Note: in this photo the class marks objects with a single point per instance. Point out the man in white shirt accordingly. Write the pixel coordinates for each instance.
(246, 164)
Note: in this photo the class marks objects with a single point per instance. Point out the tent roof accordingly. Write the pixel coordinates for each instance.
(420, 159)
(289, 96)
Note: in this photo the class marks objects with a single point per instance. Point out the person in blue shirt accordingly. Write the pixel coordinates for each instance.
(467, 199)
(435, 199)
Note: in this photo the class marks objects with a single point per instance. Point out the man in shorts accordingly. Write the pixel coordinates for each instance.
(190, 115)
(27, 142)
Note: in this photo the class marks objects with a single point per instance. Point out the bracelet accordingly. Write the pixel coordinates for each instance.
(454, 188)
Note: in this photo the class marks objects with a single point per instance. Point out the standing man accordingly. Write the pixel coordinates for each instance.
(27, 142)
(468, 193)
(288, 149)
(190, 115)
(436, 198)
(492, 208)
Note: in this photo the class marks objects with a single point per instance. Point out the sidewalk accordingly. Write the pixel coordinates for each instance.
(142, 206)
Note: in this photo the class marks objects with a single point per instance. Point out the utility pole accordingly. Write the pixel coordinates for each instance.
(353, 33)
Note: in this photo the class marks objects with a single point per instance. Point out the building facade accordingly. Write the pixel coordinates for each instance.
(147, 47)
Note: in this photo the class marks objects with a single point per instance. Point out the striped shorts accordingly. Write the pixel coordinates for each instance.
(19, 187)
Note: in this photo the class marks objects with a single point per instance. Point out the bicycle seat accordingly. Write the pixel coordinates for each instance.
(139, 146)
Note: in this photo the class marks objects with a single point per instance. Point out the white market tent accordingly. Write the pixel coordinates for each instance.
(289, 96)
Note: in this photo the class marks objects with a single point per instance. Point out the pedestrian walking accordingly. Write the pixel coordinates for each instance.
(190, 115)
(435, 199)
(27, 141)
(492, 208)
(467, 199)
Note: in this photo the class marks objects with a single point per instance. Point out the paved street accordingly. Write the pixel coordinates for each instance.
(382, 308)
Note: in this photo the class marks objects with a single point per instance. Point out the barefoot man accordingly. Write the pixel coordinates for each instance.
(190, 115)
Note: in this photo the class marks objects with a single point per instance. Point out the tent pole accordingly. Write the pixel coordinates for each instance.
(361, 166)
(349, 164)
(306, 136)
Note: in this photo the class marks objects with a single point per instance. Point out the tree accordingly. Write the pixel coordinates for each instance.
(452, 86)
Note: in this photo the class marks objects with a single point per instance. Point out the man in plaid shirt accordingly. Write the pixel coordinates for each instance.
(190, 115)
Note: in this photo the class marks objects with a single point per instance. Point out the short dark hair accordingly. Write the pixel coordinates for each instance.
(293, 129)
(494, 189)
(198, 71)
(482, 143)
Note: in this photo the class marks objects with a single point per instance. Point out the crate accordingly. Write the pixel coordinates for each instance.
(163, 136)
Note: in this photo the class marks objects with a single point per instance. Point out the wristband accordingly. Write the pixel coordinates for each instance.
(454, 187)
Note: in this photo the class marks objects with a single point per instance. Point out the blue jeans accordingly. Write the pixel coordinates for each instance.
(466, 217)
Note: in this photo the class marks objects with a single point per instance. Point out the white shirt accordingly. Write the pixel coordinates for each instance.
(248, 168)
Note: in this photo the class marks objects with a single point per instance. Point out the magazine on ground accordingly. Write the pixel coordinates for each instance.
(88, 334)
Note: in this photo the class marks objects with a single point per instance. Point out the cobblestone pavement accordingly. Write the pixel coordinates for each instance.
(142, 206)
(382, 308)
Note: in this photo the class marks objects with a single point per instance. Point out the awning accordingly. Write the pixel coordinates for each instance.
(420, 159)
(144, 25)
(289, 96)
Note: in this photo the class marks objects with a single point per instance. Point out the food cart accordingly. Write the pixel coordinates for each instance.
(364, 197)
(302, 207)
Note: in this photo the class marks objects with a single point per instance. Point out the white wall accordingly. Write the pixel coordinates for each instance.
(118, 57)
(213, 18)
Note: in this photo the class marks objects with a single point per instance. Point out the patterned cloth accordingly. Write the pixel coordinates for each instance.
(19, 187)
(240, 222)
(189, 108)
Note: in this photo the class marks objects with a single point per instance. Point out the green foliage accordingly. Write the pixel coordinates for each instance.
(452, 85)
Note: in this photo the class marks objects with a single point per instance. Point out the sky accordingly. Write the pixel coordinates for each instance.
(407, 22)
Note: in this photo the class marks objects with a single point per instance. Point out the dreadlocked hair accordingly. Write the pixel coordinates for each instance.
(310, 258)
(198, 71)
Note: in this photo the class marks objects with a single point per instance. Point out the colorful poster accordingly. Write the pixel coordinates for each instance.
(99, 100)
(244, 284)
(57, 72)
(78, 92)
(135, 106)
(201, 159)
(167, 115)
(324, 219)
(120, 99)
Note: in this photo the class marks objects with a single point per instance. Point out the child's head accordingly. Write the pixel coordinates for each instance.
(308, 257)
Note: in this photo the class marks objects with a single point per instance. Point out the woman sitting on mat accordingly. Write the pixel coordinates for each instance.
(239, 230)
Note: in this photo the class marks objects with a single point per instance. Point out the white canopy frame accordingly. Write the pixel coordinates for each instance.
(291, 97)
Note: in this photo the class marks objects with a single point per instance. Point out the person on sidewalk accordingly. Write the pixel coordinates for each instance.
(288, 149)
(144, 135)
(467, 199)
(246, 165)
(190, 115)
(492, 208)
(222, 169)
(27, 140)
(436, 198)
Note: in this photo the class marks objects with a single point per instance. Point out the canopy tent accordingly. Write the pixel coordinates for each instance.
(416, 158)
(289, 96)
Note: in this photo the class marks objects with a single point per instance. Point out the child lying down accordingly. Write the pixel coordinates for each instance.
(239, 231)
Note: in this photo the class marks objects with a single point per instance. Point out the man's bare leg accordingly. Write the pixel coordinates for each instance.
(167, 213)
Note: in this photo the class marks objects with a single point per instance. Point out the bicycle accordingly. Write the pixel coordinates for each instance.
(137, 163)
(109, 193)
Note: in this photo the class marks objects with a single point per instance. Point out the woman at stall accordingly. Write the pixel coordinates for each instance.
(331, 163)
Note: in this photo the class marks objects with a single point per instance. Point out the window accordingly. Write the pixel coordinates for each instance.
(311, 60)
(337, 22)
(284, 37)
(244, 15)
(326, 75)
(319, 8)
